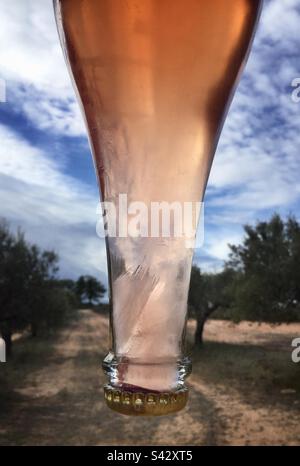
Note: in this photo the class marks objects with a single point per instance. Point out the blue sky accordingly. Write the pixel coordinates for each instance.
(47, 181)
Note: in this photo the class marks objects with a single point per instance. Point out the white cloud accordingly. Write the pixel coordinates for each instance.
(32, 57)
(31, 53)
(257, 163)
(219, 249)
(256, 179)
(280, 20)
(55, 211)
(57, 115)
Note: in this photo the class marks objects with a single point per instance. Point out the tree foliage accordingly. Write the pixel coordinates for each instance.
(89, 290)
(260, 281)
(267, 266)
(29, 294)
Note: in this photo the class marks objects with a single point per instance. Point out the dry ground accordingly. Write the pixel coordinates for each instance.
(244, 390)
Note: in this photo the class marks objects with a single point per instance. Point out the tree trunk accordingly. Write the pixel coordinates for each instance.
(199, 330)
(202, 317)
(33, 329)
(7, 337)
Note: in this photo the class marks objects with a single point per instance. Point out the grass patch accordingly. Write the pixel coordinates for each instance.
(29, 354)
(249, 369)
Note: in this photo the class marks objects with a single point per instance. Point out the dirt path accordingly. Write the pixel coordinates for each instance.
(61, 403)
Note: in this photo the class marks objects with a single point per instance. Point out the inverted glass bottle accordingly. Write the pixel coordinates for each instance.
(154, 78)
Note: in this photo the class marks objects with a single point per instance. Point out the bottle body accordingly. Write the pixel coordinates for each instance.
(154, 79)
